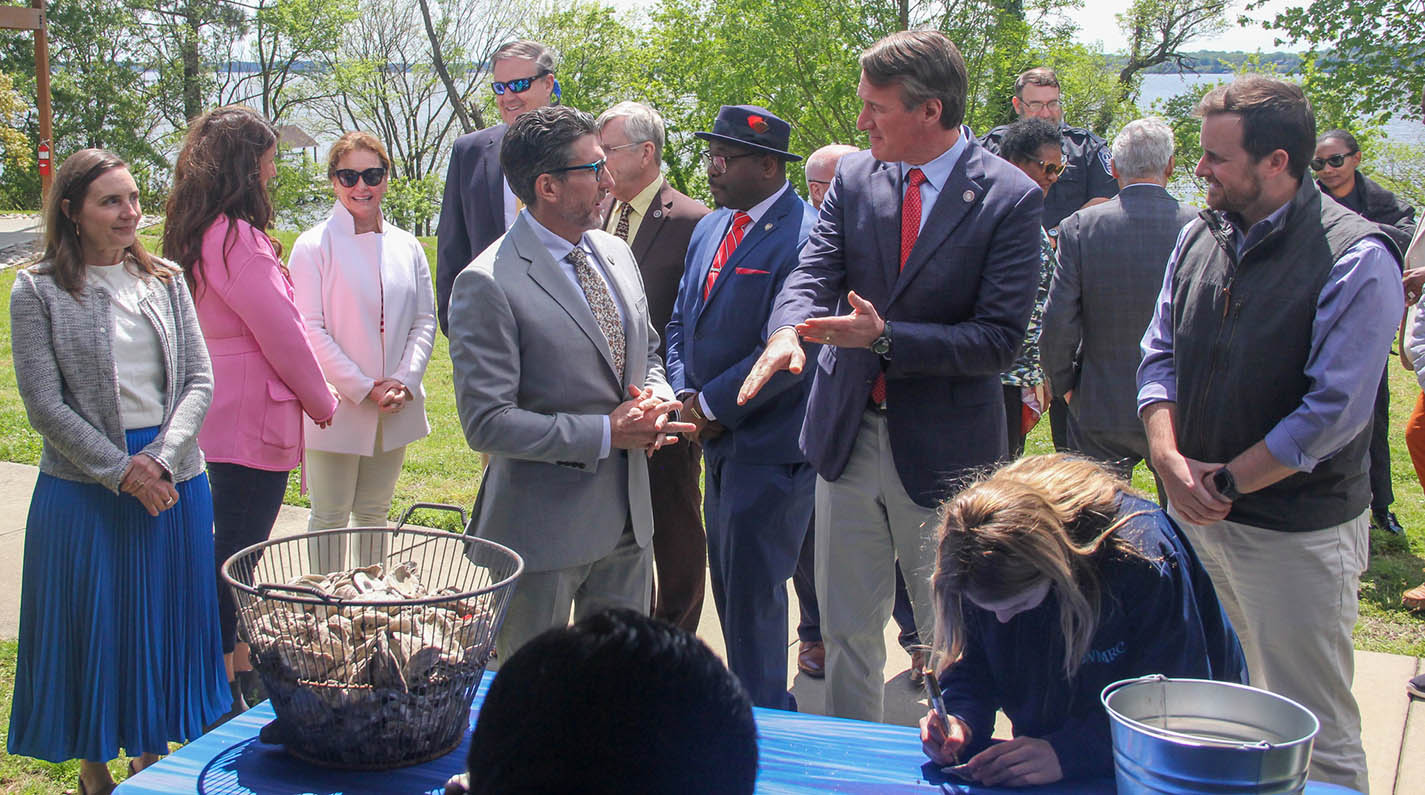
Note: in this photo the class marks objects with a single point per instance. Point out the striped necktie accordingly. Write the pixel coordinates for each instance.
(740, 222)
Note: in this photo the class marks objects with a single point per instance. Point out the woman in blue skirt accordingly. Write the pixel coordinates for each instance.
(118, 611)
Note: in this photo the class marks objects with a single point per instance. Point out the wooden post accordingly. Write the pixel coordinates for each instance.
(42, 90)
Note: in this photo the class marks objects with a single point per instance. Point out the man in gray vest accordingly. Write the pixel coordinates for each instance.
(1256, 389)
(1110, 266)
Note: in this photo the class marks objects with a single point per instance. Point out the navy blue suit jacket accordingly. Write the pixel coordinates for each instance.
(713, 344)
(957, 312)
(472, 211)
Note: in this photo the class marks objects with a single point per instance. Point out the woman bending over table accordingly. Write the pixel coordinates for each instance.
(364, 289)
(118, 613)
(264, 371)
(1053, 580)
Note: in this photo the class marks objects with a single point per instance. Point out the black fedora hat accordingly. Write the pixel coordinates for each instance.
(752, 127)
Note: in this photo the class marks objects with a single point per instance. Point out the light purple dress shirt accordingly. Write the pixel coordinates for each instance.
(1355, 323)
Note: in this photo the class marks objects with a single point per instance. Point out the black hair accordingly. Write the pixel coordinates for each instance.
(540, 142)
(617, 703)
(1022, 140)
(1342, 136)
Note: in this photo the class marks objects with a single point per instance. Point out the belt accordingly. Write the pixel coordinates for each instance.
(879, 408)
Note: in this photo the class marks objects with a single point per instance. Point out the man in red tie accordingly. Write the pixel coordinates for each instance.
(757, 493)
(918, 279)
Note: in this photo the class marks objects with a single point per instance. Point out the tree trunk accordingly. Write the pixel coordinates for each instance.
(192, 66)
(438, 60)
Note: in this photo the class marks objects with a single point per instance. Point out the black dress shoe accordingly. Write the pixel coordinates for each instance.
(239, 707)
(1385, 520)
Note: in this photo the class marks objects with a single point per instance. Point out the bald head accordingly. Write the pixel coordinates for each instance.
(821, 167)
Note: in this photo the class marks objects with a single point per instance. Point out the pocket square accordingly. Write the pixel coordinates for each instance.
(750, 272)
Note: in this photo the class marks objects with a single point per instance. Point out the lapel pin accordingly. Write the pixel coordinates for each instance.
(968, 196)
(768, 227)
(657, 213)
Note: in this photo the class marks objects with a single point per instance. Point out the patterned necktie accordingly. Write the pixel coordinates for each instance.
(740, 221)
(910, 213)
(621, 231)
(910, 230)
(601, 303)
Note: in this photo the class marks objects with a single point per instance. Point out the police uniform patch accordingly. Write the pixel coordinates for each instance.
(1105, 157)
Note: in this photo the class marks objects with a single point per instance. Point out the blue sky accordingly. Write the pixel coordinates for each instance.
(1093, 14)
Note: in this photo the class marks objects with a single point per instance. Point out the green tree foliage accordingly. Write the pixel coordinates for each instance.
(16, 155)
(1370, 53)
(99, 98)
(412, 203)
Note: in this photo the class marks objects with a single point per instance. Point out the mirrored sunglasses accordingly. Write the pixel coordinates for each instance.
(517, 86)
(371, 176)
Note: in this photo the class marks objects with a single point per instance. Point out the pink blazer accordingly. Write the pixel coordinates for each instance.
(265, 374)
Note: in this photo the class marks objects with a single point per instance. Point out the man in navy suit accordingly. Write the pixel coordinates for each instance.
(758, 487)
(919, 278)
(478, 205)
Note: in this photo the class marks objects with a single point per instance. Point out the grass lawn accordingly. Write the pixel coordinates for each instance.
(441, 468)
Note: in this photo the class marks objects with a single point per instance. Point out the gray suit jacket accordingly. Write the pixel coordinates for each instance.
(1109, 273)
(64, 368)
(534, 379)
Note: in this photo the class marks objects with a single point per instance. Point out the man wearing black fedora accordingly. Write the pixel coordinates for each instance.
(758, 487)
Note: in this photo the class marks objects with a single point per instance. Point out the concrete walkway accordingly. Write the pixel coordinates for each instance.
(1393, 730)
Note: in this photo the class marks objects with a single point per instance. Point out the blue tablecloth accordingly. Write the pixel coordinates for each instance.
(799, 753)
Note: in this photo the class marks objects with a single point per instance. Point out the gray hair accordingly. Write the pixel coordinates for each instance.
(826, 158)
(641, 123)
(543, 56)
(1143, 148)
(540, 142)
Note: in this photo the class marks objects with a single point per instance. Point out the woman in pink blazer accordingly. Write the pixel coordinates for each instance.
(265, 375)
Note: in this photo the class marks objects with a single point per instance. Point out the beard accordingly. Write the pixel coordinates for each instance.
(1237, 198)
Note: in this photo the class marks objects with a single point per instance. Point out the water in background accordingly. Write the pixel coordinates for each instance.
(1403, 129)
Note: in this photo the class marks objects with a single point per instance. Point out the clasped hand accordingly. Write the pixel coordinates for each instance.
(390, 395)
(144, 479)
(642, 422)
(784, 351)
(1023, 761)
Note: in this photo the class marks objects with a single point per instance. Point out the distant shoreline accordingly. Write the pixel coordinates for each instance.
(1217, 62)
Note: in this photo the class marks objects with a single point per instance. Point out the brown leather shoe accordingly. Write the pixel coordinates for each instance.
(1414, 598)
(917, 668)
(811, 658)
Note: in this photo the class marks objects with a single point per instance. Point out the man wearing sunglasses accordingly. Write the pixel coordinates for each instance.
(757, 484)
(478, 205)
(657, 222)
(557, 378)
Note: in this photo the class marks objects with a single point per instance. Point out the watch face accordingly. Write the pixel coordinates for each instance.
(880, 345)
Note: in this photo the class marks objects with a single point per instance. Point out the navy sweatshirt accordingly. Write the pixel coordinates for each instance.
(1157, 614)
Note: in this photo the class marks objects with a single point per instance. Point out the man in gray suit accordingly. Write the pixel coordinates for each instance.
(558, 379)
(1110, 268)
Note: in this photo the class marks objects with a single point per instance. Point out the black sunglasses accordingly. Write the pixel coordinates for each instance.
(1334, 161)
(597, 167)
(517, 86)
(371, 176)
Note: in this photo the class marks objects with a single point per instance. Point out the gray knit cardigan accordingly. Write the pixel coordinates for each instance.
(64, 366)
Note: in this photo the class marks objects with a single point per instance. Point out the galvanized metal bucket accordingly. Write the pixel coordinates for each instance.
(1198, 736)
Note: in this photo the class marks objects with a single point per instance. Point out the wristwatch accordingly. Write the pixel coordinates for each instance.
(1225, 484)
(881, 346)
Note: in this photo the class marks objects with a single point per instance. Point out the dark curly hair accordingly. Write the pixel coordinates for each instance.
(1022, 140)
(218, 173)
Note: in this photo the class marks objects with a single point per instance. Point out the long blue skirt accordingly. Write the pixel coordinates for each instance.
(119, 642)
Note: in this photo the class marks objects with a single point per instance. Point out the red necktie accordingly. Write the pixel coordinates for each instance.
(910, 230)
(740, 222)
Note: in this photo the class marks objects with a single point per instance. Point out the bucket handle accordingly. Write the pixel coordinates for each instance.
(1108, 690)
(266, 588)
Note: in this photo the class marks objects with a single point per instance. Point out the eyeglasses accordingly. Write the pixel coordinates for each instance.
(371, 176)
(597, 167)
(819, 181)
(1052, 169)
(517, 86)
(1035, 107)
(1334, 161)
(717, 164)
(624, 146)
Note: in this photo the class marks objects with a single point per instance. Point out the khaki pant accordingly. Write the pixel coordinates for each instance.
(1293, 599)
(865, 521)
(350, 490)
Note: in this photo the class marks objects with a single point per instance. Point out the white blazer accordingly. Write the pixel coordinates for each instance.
(344, 282)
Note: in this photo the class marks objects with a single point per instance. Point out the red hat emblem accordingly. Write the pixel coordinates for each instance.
(757, 123)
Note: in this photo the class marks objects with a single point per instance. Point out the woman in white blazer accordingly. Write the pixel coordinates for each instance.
(364, 290)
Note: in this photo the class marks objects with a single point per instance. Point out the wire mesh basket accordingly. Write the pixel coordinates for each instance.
(372, 667)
